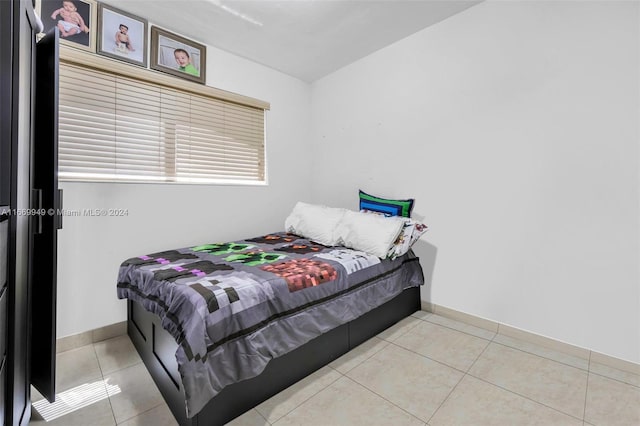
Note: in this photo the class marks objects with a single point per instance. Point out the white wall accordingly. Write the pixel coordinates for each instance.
(165, 216)
(515, 127)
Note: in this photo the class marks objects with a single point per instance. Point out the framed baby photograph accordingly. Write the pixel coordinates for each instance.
(75, 19)
(122, 35)
(177, 55)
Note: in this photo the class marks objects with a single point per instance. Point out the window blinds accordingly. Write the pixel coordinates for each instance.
(118, 128)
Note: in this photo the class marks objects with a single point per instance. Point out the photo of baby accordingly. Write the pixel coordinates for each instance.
(177, 55)
(70, 22)
(73, 18)
(122, 35)
(123, 41)
(183, 59)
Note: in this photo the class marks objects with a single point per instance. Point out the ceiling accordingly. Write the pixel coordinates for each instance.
(307, 39)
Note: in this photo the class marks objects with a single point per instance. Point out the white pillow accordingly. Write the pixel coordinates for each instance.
(314, 222)
(369, 233)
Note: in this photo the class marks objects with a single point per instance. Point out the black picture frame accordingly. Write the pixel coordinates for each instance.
(168, 48)
(79, 30)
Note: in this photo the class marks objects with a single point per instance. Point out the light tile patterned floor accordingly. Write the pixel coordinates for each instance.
(426, 370)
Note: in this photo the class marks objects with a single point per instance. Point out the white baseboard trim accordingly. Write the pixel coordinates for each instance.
(506, 330)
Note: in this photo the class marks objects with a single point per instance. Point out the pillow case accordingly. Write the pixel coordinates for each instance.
(315, 222)
(386, 206)
(410, 233)
(369, 232)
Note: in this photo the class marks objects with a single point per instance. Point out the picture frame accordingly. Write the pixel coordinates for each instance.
(169, 51)
(121, 35)
(75, 19)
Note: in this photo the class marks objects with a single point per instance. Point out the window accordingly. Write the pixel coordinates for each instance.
(124, 128)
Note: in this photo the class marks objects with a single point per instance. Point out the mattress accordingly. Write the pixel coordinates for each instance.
(232, 307)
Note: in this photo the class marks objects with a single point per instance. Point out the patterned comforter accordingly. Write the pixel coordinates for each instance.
(232, 307)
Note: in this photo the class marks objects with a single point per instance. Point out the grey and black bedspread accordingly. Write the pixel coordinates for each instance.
(232, 307)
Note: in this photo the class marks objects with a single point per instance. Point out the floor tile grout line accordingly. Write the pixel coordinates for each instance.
(139, 414)
(496, 333)
(467, 373)
(428, 315)
(614, 368)
(392, 342)
(454, 329)
(109, 373)
(260, 414)
(463, 376)
(390, 402)
(465, 332)
(542, 356)
(113, 413)
(429, 358)
(363, 361)
(586, 391)
(433, 359)
(397, 345)
(525, 397)
(407, 331)
(446, 397)
(140, 361)
(426, 319)
(311, 396)
(614, 379)
(480, 354)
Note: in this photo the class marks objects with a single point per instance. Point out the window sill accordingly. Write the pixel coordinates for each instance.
(221, 182)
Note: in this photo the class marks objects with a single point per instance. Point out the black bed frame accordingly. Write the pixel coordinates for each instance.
(157, 349)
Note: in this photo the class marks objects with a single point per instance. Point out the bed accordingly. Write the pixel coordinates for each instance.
(222, 327)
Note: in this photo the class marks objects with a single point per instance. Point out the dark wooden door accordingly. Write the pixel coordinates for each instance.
(5, 196)
(4, 243)
(18, 24)
(46, 201)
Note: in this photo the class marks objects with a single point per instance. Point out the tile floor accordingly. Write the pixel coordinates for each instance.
(425, 370)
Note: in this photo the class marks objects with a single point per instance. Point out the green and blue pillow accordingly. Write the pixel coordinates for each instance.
(387, 207)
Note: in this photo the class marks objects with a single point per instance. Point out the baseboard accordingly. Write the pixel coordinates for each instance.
(591, 357)
(75, 341)
(114, 330)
